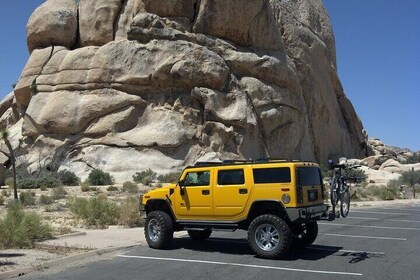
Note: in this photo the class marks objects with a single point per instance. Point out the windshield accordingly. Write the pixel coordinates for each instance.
(309, 176)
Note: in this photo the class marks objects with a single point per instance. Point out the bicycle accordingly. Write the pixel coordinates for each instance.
(340, 190)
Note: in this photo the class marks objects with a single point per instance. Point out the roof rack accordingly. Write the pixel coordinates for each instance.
(242, 161)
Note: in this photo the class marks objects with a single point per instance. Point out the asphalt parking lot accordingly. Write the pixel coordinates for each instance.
(371, 243)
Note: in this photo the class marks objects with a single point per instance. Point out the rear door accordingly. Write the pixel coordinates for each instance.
(231, 192)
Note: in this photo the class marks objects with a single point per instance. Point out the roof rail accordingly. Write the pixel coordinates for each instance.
(205, 163)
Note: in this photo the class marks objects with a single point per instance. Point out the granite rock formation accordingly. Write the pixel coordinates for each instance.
(125, 85)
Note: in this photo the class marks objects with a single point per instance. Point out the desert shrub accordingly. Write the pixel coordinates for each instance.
(59, 192)
(5, 193)
(355, 173)
(172, 177)
(27, 198)
(112, 189)
(415, 158)
(384, 193)
(130, 187)
(19, 229)
(98, 177)
(9, 182)
(68, 178)
(140, 176)
(85, 187)
(46, 199)
(396, 183)
(96, 211)
(36, 183)
(1, 200)
(130, 213)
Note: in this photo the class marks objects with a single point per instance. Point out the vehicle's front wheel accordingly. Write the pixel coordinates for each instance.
(158, 230)
(199, 234)
(305, 234)
(269, 236)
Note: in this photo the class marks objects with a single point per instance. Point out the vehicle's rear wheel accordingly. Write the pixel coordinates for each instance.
(199, 234)
(158, 230)
(269, 236)
(345, 203)
(305, 234)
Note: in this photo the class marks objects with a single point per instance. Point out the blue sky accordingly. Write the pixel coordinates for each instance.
(378, 55)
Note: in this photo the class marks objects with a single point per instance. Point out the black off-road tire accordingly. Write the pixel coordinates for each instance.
(305, 234)
(263, 224)
(199, 234)
(158, 230)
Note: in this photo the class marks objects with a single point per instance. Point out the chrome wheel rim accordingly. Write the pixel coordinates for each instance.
(267, 237)
(154, 230)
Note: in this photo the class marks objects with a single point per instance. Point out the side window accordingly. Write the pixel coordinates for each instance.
(199, 178)
(272, 175)
(231, 177)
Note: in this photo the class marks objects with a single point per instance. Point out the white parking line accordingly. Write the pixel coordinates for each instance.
(243, 265)
(402, 209)
(383, 213)
(345, 225)
(363, 236)
(392, 220)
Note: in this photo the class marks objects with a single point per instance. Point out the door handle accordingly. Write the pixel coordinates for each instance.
(205, 192)
(243, 191)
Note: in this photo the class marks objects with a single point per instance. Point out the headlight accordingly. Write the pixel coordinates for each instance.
(285, 198)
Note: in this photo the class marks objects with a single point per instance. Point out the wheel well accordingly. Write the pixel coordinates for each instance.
(158, 205)
(267, 207)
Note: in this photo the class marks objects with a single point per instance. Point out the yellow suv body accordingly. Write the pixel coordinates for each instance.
(287, 197)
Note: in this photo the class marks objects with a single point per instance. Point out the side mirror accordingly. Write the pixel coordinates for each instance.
(181, 183)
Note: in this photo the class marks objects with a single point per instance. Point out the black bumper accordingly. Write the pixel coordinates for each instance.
(315, 212)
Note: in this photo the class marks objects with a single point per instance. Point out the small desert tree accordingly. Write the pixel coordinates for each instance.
(411, 178)
(5, 136)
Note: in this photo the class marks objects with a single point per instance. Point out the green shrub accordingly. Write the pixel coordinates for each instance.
(85, 187)
(9, 182)
(112, 189)
(415, 158)
(68, 178)
(59, 192)
(130, 213)
(5, 193)
(96, 211)
(384, 193)
(139, 176)
(45, 199)
(27, 198)
(1, 200)
(355, 173)
(172, 177)
(99, 178)
(130, 187)
(36, 183)
(148, 180)
(19, 229)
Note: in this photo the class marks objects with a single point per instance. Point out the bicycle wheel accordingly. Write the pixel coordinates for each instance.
(345, 201)
(334, 192)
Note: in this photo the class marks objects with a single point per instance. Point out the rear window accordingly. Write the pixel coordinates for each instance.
(309, 176)
(231, 177)
(272, 175)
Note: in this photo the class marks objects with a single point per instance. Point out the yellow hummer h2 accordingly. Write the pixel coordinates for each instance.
(277, 201)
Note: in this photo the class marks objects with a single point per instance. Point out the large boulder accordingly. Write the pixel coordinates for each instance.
(54, 23)
(161, 84)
